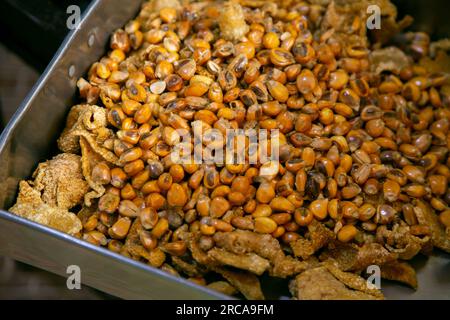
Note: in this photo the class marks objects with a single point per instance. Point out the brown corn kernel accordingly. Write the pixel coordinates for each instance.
(438, 184)
(120, 229)
(303, 216)
(281, 204)
(127, 208)
(186, 68)
(289, 237)
(128, 192)
(262, 210)
(221, 225)
(101, 173)
(391, 190)
(165, 181)
(161, 227)
(109, 202)
(115, 246)
(265, 225)
(385, 214)
(350, 191)
(270, 40)
(306, 81)
(148, 217)
(148, 241)
(277, 90)
(95, 237)
(155, 201)
(134, 167)
(218, 207)
(91, 223)
(207, 230)
(177, 248)
(281, 218)
(366, 212)
(347, 233)
(176, 196)
(244, 223)
(319, 208)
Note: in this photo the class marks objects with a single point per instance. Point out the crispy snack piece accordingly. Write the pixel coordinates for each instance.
(190, 269)
(60, 181)
(400, 241)
(354, 258)
(249, 261)
(388, 59)
(89, 160)
(339, 16)
(197, 253)
(232, 22)
(241, 242)
(246, 282)
(319, 236)
(320, 284)
(90, 122)
(400, 271)
(287, 266)
(30, 206)
(439, 236)
(223, 287)
(352, 280)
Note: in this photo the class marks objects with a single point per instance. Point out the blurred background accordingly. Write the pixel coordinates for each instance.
(31, 31)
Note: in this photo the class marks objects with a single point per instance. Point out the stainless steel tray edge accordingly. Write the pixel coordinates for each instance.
(25, 141)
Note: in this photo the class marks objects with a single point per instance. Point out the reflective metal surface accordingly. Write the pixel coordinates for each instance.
(31, 137)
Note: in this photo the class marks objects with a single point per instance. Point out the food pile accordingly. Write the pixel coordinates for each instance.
(362, 176)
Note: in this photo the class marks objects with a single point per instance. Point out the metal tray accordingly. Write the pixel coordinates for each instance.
(30, 138)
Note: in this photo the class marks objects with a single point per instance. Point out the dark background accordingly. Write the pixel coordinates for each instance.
(31, 31)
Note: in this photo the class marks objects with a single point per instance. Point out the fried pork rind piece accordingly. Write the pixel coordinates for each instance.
(267, 247)
(350, 257)
(86, 131)
(222, 287)
(232, 22)
(90, 122)
(352, 280)
(399, 271)
(400, 241)
(60, 181)
(249, 261)
(30, 206)
(388, 59)
(320, 284)
(440, 237)
(339, 17)
(89, 160)
(319, 236)
(245, 282)
(190, 269)
(197, 253)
